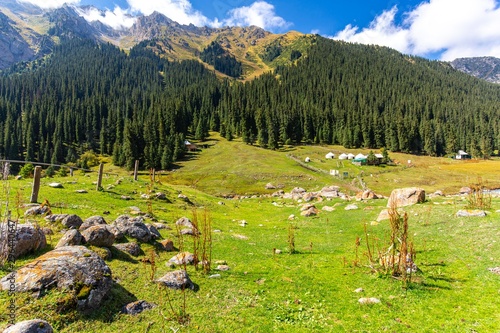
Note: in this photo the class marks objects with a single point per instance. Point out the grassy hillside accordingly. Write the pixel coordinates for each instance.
(312, 290)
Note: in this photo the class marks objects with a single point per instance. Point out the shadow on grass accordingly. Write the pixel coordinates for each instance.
(112, 305)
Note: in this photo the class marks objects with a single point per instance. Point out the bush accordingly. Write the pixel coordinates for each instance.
(27, 171)
(50, 171)
(88, 160)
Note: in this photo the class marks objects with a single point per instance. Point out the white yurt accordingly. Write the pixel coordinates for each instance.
(307, 160)
(343, 156)
(330, 156)
(350, 156)
(359, 157)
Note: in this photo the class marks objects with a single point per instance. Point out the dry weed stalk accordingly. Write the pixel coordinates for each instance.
(478, 197)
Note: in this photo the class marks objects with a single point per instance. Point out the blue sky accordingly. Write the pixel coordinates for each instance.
(435, 29)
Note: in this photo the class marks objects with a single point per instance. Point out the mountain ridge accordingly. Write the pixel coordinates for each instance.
(485, 68)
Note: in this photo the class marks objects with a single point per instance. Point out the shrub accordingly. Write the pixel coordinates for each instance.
(27, 171)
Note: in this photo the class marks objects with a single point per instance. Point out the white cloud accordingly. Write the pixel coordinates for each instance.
(117, 19)
(180, 11)
(454, 28)
(260, 13)
(382, 31)
(51, 4)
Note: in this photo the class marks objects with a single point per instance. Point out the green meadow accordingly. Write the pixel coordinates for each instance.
(311, 285)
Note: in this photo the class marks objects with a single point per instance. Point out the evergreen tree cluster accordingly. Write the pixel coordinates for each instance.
(222, 61)
(89, 96)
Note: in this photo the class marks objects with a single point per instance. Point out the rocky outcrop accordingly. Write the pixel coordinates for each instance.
(406, 197)
(92, 221)
(28, 238)
(74, 268)
(137, 307)
(72, 221)
(131, 248)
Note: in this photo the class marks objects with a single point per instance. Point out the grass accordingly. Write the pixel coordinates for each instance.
(310, 290)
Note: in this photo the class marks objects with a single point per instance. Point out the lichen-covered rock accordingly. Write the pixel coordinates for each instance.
(406, 197)
(366, 195)
(37, 210)
(133, 227)
(73, 268)
(30, 326)
(176, 280)
(470, 213)
(72, 221)
(131, 248)
(184, 222)
(55, 217)
(154, 232)
(28, 238)
(98, 235)
(92, 221)
(70, 238)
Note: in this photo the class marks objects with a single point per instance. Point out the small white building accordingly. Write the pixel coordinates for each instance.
(330, 156)
(462, 155)
(343, 156)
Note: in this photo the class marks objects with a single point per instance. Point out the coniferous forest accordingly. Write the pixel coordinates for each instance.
(89, 96)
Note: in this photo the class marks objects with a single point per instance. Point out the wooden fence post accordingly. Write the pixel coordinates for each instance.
(99, 177)
(36, 184)
(136, 169)
(71, 172)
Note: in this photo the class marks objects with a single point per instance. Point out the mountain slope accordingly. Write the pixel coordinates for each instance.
(486, 68)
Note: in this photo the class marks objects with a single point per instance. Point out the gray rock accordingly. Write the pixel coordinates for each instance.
(131, 248)
(310, 212)
(126, 197)
(133, 227)
(72, 221)
(98, 235)
(189, 232)
(176, 280)
(81, 191)
(184, 222)
(37, 210)
(222, 268)
(154, 232)
(92, 221)
(470, 213)
(465, 190)
(30, 326)
(161, 196)
(405, 197)
(351, 207)
(55, 217)
(66, 268)
(118, 234)
(56, 185)
(183, 258)
(137, 307)
(159, 226)
(270, 186)
(70, 238)
(28, 239)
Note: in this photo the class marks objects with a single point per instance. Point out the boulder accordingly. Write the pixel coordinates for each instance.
(73, 268)
(92, 221)
(159, 226)
(278, 194)
(131, 248)
(384, 215)
(72, 221)
(161, 196)
(137, 307)
(309, 196)
(176, 280)
(55, 217)
(30, 326)
(167, 245)
(154, 232)
(406, 197)
(98, 235)
(70, 238)
(351, 207)
(470, 213)
(28, 239)
(56, 185)
(310, 212)
(37, 210)
(270, 186)
(330, 192)
(366, 195)
(328, 208)
(182, 258)
(133, 227)
(184, 222)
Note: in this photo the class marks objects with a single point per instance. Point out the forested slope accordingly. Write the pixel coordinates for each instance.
(140, 106)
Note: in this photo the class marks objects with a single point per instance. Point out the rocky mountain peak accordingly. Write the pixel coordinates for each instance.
(486, 68)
